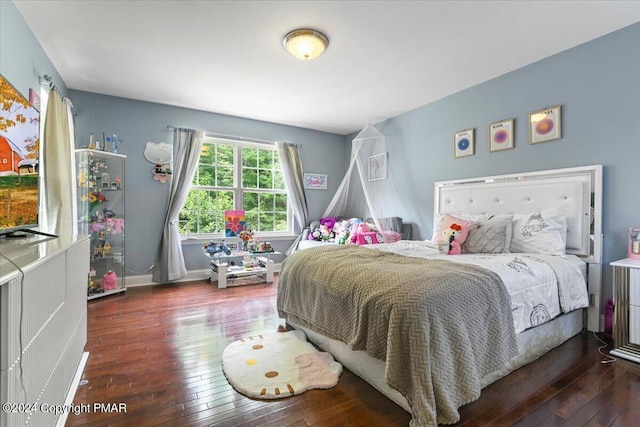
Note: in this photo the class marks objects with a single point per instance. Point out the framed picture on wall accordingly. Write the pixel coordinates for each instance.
(463, 143)
(315, 181)
(545, 125)
(501, 135)
(378, 167)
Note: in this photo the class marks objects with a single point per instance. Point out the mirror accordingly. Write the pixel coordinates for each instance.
(158, 152)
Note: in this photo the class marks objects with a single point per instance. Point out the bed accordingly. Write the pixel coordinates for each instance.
(430, 330)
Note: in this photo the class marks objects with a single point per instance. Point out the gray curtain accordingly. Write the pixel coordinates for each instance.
(293, 178)
(187, 144)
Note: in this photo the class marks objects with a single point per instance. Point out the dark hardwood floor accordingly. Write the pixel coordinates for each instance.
(157, 349)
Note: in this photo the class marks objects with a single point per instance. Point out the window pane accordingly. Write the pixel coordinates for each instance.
(281, 202)
(250, 157)
(266, 179)
(225, 154)
(208, 154)
(265, 159)
(267, 202)
(249, 178)
(250, 201)
(281, 222)
(266, 222)
(206, 175)
(278, 180)
(225, 176)
(251, 220)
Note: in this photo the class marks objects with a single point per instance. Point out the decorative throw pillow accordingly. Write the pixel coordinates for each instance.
(473, 219)
(491, 237)
(539, 232)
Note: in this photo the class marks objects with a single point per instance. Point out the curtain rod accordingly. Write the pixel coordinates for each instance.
(47, 80)
(235, 137)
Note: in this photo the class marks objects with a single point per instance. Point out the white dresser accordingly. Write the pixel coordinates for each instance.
(43, 325)
(626, 321)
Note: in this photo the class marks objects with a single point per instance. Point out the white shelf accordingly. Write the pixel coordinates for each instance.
(222, 271)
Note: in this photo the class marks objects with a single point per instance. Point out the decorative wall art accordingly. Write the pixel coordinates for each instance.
(545, 125)
(464, 143)
(315, 181)
(501, 135)
(378, 167)
(234, 223)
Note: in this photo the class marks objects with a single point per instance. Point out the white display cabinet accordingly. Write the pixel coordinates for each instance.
(101, 189)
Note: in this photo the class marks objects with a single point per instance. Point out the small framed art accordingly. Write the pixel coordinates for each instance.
(545, 125)
(378, 167)
(501, 135)
(315, 181)
(463, 143)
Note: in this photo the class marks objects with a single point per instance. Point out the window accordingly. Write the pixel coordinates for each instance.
(236, 176)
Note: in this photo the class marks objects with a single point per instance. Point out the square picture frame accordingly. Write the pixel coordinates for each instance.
(315, 181)
(545, 125)
(501, 135)
(464, 143)
(378, 167)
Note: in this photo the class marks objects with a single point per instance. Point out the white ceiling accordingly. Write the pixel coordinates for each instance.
(384, 57)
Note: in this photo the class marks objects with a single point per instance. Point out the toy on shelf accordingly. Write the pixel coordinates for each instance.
(213, 248)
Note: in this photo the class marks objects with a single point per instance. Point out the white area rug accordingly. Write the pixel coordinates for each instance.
(279, 364)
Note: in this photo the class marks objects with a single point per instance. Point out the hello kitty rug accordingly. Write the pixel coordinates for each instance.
(279, 364)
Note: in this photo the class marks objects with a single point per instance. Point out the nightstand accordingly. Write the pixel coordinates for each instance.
(626, 321)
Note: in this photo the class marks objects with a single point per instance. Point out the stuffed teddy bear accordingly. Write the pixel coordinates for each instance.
(456, 234)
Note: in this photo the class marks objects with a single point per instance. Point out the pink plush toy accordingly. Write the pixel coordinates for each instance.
(361, 227)
(456, 234)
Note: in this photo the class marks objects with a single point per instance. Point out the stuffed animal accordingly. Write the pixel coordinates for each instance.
(328, 222)
(357, 229)
(456, 234)
(342, 230)
(314, 231)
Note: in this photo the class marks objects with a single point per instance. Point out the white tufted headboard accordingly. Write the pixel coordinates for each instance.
(577, 192)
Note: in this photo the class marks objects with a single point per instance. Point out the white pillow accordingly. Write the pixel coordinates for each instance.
(491, 237)
(539, 232)
(471, 218)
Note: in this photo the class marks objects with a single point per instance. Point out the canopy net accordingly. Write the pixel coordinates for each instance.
(367, 190)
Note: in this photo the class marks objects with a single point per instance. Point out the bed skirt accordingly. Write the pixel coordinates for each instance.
(532, 344)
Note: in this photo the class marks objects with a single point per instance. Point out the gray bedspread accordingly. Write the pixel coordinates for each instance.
(439, 325)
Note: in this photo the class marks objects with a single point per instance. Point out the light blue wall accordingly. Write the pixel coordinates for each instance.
(598, 86)
(22, 59)
(137, 122)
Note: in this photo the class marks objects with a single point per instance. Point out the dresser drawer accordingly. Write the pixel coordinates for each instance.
(634, 286)
(634, 324)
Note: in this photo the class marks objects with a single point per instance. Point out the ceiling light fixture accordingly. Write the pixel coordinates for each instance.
(305, 43)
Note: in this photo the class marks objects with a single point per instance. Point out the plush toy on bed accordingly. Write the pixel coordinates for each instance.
(342, 230)
(456, 234)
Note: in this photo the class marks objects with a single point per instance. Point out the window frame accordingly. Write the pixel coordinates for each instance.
(238, 190)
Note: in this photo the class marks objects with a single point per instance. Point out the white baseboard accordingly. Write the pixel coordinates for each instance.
(192, 275)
